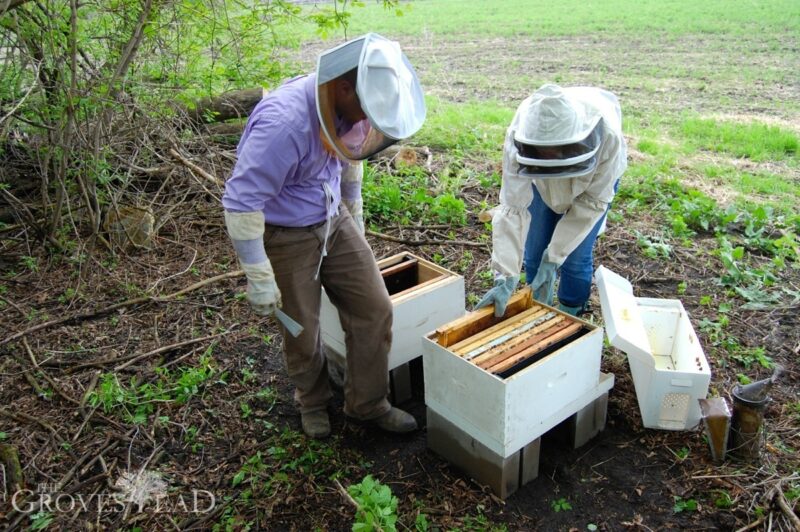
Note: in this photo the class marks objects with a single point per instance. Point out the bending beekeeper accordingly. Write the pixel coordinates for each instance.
(283, 213)
(563, 156)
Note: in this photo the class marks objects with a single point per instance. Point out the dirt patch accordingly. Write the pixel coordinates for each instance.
(700, 73)
(626, 477)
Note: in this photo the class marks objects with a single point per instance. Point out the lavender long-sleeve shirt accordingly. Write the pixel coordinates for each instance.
(282, 164)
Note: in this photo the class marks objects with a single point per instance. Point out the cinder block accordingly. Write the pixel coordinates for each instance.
(588, 421)
(501, 474)
(400, 380)
(505, 475)
(530, 461)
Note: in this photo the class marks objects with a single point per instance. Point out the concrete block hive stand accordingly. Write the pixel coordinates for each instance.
(494, 386)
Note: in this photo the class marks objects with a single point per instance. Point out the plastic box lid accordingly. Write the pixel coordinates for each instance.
(624, 325)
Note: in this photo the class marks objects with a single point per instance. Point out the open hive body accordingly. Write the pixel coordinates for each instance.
(424, 296)
(669, 369)
(506, 381)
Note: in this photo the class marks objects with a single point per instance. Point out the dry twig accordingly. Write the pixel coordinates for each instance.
(136, 358)
(131, 302)
(194, 168)
(428, 242)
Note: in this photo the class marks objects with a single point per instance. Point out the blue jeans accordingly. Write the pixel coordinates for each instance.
(576, 272)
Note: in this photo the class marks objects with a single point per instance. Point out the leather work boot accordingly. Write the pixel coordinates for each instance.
(316, 424)
(396, 420)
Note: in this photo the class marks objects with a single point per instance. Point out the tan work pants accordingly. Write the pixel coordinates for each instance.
(354, 285)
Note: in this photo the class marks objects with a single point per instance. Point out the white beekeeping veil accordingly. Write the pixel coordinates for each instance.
(557, 136)
(388, 91)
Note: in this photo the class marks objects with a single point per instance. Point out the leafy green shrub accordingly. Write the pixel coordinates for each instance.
(448, 209)
(404, 197)
(561, 505)
(700, 212)
(684, 505)
(137, 401)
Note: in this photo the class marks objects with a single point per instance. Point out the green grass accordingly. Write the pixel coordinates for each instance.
(468, 127)
(478, 60)
(756, 187)
(536, 19)
(755, 141)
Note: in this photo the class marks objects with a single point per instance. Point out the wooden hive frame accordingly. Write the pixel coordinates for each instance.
(527, 332)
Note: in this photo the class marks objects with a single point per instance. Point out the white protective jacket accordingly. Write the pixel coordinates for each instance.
(582, 200)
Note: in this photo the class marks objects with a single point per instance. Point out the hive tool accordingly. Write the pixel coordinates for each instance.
(294, 328)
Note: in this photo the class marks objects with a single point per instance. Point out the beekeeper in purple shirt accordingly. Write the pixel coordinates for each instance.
(284, 215)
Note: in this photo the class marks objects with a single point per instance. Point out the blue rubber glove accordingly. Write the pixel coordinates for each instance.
(544, 282)
(572, 311)
(499, 294)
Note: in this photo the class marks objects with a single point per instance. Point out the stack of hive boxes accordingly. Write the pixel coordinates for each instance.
(494, 386)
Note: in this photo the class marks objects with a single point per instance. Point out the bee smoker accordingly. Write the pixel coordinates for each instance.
(747, 426)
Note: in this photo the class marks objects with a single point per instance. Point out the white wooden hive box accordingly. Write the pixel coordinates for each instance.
(506, 381)
(424, 296)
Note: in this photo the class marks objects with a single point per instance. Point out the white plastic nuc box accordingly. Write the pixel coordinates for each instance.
(669, 369)
(424, 296)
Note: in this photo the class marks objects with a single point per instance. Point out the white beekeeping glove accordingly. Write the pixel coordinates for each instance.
(246, 230)
(352, 176)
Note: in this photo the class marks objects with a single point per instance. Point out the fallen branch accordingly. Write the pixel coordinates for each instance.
(346, 495)
(9, 459)
(428, 242)
(232, 104)
(786, 509)
(753, 525)
(22, 417)
(16, 307)
(48, 378)
(191, 166)
(136, 358)
(131, 302)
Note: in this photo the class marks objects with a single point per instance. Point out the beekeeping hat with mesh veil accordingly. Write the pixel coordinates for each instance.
(388, 91)
(557, 136)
